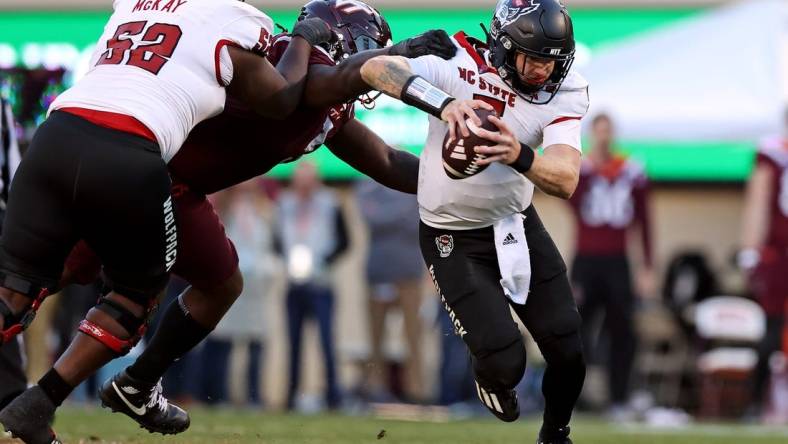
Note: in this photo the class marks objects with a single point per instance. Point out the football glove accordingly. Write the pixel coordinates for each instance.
(314, 30)
(434, 42)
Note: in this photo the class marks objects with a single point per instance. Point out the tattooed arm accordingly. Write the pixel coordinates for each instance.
(392, 75)
(387, 74)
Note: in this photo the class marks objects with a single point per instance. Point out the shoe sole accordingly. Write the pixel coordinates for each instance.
(110, 404)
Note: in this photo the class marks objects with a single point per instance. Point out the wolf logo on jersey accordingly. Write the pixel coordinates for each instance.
(445, 244)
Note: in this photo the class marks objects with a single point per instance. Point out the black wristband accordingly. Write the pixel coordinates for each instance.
(425, 96)
(524, 160)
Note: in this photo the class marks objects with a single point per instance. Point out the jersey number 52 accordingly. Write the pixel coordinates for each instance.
(158, 44)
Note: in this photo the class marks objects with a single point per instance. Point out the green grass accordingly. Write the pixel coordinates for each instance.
(76, 425)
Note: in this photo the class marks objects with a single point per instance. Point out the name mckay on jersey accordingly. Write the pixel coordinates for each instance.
(169, 5)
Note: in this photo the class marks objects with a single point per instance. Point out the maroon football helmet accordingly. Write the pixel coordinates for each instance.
(359, 27)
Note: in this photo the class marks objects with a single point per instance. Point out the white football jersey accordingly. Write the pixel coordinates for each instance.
(498, 191)
(165, 63)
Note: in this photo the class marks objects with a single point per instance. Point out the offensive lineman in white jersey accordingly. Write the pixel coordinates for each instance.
(481, 237)
(96, 170)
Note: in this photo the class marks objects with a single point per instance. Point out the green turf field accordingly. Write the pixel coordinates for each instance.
(224, 426)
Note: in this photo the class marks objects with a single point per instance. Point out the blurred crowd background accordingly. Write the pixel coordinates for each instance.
(337, 312)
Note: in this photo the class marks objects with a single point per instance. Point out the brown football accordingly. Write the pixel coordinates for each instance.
(459, 157)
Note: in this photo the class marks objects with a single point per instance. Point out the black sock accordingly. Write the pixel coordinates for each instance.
(177, 333)
(55, 387)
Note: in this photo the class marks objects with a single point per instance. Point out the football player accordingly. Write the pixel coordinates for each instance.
(235, 146)
(764, 254)
(611, 205)
(96, 170)
(481, 237)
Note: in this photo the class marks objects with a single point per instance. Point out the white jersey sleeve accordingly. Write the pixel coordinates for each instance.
(246, 28)
(568, 108)
(435, 70)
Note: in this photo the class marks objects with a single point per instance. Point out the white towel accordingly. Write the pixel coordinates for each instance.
(513, 258)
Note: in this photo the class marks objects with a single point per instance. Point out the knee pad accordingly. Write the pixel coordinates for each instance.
(501, 369)
(134, 325)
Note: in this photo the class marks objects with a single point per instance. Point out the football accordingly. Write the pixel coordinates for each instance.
(459, 158)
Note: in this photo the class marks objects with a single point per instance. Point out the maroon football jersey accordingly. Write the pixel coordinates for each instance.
(238, 144)
(773, 153)
(610, 199)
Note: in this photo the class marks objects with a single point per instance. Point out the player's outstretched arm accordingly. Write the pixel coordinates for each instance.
(365, 151)
(556, 172)
(275, 92)
(328, 85)
(392, 76)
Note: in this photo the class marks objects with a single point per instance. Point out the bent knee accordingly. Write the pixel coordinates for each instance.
(503, 368)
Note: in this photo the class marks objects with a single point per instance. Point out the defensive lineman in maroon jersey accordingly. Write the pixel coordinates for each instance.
(765, 246)
(237, 145)
(611, 199)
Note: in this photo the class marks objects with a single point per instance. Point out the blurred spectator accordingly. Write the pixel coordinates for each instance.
(310, 233)
(243, 209)
(395, 270)
(12, 372)
(610, 200)
(764, 241)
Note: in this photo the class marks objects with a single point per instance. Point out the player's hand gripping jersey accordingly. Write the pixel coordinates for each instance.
(498, 191)
(165, 63)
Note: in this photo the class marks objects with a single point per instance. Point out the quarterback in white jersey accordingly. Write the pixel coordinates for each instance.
(481, 237)
(95, 170)
(499, 190)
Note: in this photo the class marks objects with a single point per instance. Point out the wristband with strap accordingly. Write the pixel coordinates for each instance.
(420, 93)
(524, 160)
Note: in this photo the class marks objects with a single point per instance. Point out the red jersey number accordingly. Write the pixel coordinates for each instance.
(157, 46)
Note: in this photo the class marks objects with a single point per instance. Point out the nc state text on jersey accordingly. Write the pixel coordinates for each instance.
(168, 5)
(471, 77)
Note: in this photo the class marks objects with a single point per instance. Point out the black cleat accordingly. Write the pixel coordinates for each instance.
(503, 403)
(560, 436)
(144, 403)
(29, 417)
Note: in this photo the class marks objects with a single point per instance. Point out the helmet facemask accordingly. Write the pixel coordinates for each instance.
(524, 31)
(531, 92)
